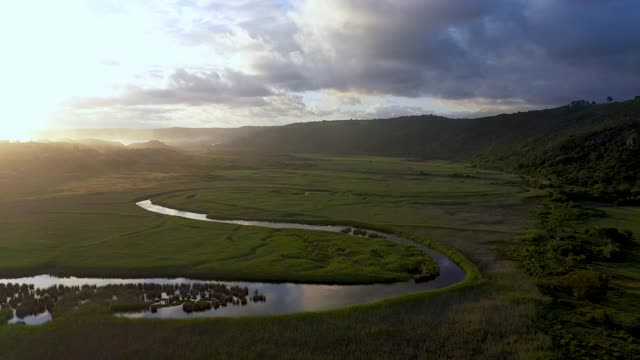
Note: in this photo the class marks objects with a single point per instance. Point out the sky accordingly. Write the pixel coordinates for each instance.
(220, 63)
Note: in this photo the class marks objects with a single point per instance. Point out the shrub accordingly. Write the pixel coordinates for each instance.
(6, 314)
(584, 284)
(190, 306)
(359, 232)
(613, 235)
(257, 297)
(599, 316)
(613, 242)
(573, 260)
(610, 251)
(428, 271)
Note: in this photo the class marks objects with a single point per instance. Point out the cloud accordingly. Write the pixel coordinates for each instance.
(542, 52)
(261, 58)
(189, 88)
(116, 117)
(391, 111)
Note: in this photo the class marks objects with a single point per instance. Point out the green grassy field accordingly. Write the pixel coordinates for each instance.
(376, 191)
(476, 212)
(92, 236)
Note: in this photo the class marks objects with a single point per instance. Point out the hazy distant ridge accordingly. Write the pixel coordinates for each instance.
(172, 136)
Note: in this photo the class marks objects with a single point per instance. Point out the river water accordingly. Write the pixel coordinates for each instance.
(281, 298)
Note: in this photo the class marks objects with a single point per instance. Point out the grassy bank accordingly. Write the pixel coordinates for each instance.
(466, 213)
(82, 236)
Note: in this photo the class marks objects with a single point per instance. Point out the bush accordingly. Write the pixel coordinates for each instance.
(610, 251)
(428, 271)
(613, 235)
(6, 314)
(584, 284)
(190, 306)
(29, 306)
(613, 242)
(359, 232)
(257, 297)
(599, 316)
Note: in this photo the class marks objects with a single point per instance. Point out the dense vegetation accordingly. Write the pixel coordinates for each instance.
(598, 160)
(591, 311)
(433, 137)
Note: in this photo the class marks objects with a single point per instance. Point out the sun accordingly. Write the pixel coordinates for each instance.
(24, 110)
(16, 132)
(45, 61)
(19, 119)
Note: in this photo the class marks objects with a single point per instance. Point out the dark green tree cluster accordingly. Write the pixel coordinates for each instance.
(565, 255)
(599, 159)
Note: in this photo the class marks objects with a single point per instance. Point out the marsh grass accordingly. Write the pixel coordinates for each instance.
(450, 324)
(84, 237)
(493, 314)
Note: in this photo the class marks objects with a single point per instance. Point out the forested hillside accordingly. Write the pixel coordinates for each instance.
(432, 137)
(600, 160)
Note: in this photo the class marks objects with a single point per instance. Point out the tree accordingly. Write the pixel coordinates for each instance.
(609, 99)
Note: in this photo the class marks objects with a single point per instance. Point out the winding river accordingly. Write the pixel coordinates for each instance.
(281, 298)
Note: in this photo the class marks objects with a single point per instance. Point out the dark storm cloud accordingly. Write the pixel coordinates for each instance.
(544, 52)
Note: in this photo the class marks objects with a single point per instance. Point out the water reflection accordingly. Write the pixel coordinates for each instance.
(38, 319)
(289, 298)
(281, 298)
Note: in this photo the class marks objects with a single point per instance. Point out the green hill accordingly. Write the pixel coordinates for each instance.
(427, 136)
(592, 149)
(599, 159)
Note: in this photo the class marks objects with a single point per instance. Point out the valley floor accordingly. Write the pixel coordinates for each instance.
(94, 227)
